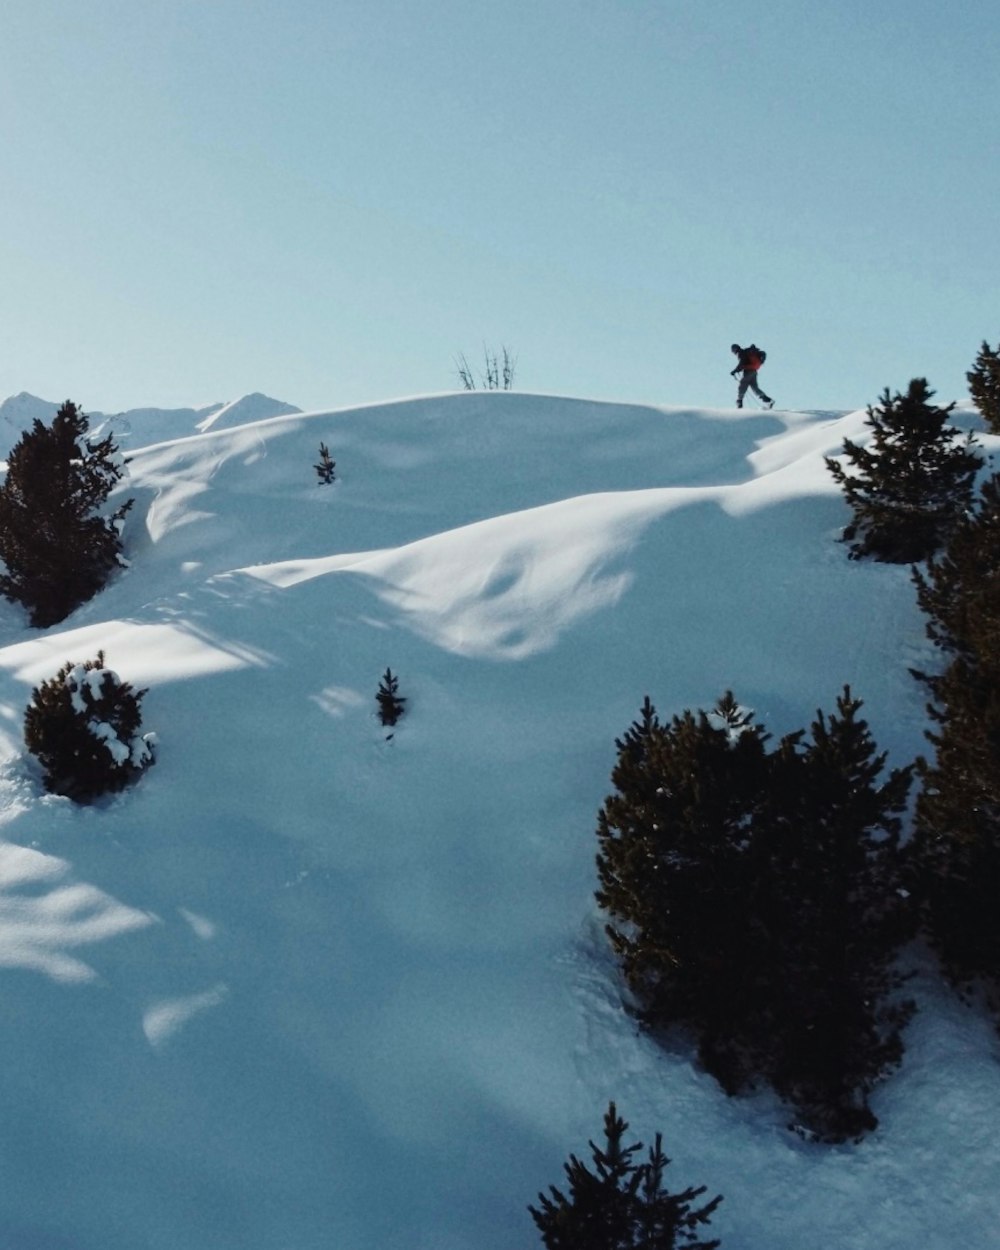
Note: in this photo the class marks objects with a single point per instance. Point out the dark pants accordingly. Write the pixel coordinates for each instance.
(748, 380)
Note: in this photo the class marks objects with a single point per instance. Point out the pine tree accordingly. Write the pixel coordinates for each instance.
(829, 899)
(621, 1204)
(957, 842)
(83, 725)
(754, 901)
(390, 704)
(57, 547)
(957, 845)
(984, 385)
(911, 483)
(326, 469)
(672, 867)
(957, 591)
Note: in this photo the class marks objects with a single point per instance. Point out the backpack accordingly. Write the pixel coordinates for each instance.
(754, 351)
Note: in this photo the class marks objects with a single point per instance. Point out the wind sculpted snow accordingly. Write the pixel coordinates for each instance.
(309, 986)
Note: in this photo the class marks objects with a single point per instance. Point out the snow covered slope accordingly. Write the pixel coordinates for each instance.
(308, 987)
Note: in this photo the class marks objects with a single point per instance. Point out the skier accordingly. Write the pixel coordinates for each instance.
(750, 360)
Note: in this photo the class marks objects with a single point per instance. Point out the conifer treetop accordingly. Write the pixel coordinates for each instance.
(619, 1203)
(911, 482)
(984, 385)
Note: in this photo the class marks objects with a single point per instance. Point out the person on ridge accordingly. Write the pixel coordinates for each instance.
(750, 360)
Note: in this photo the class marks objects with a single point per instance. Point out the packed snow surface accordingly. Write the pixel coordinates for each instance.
(308, 985)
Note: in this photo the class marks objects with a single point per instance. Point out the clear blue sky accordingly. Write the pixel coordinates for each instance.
(326, 200)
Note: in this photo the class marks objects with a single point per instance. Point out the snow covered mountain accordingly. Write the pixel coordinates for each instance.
(306, 986)
(147, 425)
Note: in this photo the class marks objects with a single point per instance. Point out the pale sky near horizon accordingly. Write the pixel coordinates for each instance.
(328, 201)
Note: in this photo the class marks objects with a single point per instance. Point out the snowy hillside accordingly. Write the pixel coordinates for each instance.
(308, 987)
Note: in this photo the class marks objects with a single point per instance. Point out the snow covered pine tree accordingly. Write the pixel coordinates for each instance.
(83, 726)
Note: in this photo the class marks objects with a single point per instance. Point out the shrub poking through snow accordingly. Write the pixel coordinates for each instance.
(390, 705)
(83, 726)
(496, 375)
(621, 1204)
(326, 467)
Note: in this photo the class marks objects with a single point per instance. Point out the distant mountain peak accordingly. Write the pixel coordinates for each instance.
(253, 407)
(17, 405)
(19, 412)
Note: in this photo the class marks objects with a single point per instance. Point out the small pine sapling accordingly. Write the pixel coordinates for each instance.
(83, 726)
(390, 704)
(621, 1204)
(326, 467)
